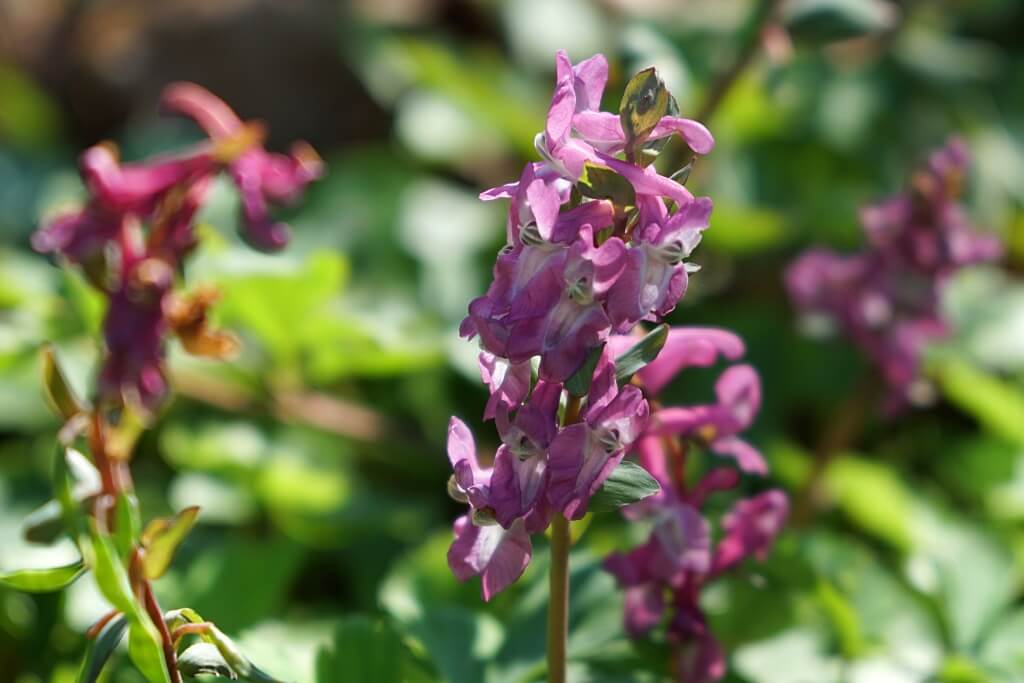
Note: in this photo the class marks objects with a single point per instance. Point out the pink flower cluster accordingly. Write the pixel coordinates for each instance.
(886, 298)
(577, 267)
(664, 576)
(133, 234)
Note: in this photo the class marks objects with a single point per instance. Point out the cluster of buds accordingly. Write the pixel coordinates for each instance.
(595, 244)
(664, 576)
(886, 298)
(132, 236)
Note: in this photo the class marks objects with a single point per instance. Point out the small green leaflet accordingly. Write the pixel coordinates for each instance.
(627, 484)
(101, 648)
(43, 580)
(640, 354)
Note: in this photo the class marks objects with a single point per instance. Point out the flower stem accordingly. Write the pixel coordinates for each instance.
(558, 598)
(558, 605)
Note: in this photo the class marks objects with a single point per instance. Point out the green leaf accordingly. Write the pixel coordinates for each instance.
(628, 483)
(204, 659)
(111, 577)
(128, 522)
(600, 182)
(1003, 649)
(824, 21)
(100, 649)
(146, 650)
(645, 101)
(579, 384)
(43, 580)
(56, 387)
(364, 651)
(640, 354)
(873, 496)
(995, 403)
(162, 538)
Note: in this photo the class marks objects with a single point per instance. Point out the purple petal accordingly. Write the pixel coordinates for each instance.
(646, 181)
(591, 75)
(644, 607)
(688, 347)
(748, 458)
(563, 102)
(751, 527)
(697, 136)
(499, 556)
(739, 390)
(508, 383)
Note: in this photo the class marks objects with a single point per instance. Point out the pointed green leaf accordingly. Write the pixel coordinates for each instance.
(128, 523)
(58, 392)
(162, 538)
(579, 384)
(111, 576)
(146, 650)
(640, 354)
(644, 102)
(600, 182)
(627, 484)
(43, 580)
(100, 649)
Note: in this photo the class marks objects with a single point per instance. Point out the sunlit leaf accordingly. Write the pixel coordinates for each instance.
(43, 580)
(58, 391)
(579, 384)
(640, 354)
(162, 538)
(627, 484)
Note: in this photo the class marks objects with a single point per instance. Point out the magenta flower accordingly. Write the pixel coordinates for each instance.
(508, 383)
(655, 276)
(583, 455)
(470, 482)
(498, 556)
(684, 347)
(717, 426)
(751, 528)
(577, 89)
(263, 178)
(519, 483)
(886, 298)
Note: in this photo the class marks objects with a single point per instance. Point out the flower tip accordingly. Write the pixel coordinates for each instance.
(267, 237)
(193, 101)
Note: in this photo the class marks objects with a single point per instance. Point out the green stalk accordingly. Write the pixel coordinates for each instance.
(558, 600)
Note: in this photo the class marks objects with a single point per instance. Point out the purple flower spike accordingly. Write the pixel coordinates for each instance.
(717, 426)
(751, 528)
(498, 556)
(584, 454)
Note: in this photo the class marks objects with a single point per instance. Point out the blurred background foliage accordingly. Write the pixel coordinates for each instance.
(317, 456)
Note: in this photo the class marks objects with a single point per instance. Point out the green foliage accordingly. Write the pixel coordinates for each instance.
(640, 354)
(628, 483)
(43, 580)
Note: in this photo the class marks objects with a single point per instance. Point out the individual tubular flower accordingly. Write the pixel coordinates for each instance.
(717, 425)
(655, 276)
(519, 482)
(133, 235)
(886, 298)
(583, 455)
(481, 547)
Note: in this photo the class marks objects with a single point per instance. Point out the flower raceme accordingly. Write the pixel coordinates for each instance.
(886, 297)
(138, 226)
(596, 242)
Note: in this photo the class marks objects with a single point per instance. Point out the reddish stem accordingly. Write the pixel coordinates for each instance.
(153, 609)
